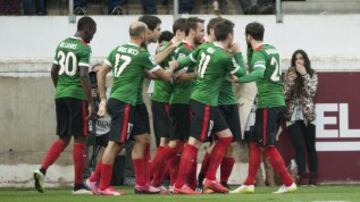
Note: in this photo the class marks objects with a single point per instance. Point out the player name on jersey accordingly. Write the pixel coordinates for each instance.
(68, 45)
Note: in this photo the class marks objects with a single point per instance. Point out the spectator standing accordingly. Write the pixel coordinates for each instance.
(301, 84)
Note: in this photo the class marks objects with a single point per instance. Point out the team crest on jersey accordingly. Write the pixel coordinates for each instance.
(152, 60)
(181, 55)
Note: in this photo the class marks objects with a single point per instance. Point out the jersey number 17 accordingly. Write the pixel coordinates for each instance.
(120, 66)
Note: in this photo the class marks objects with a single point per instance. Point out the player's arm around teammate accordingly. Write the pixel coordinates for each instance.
(127, 63)
(213, 64)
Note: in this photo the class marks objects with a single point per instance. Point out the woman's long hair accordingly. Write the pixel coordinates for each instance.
(299, 83)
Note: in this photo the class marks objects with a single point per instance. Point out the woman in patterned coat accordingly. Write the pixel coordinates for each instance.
(300, 86)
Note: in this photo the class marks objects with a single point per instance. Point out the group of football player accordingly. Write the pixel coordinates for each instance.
(192, 102)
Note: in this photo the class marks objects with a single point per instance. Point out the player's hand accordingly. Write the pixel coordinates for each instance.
(91, 111)
(232, 78)
(235, 48)
(178, 74)
(291, 75)
(102, 108)
(300, 68)
(175, 42)
(173, 64)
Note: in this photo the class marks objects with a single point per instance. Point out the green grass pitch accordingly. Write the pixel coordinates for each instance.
(316, 194)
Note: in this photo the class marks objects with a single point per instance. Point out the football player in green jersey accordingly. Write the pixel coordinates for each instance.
(213, 65)
(141, 123)
(265, 71)
(160, 105)
(69, 74)
(160, 93)
(228, 106)
(141, 130)
(179, 106)
(127, 63)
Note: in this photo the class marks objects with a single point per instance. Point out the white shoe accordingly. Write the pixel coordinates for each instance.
(82, 192)
(286, 189)
(153, 189)
(243, 189)
(93, 186)
(163, 190)
(82, 189)
(110, 191)
(39, 179)
(171, 189)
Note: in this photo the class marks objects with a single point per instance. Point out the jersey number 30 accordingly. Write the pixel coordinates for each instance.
(67, 63)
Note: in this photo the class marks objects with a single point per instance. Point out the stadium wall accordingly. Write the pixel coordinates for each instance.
(27, 107)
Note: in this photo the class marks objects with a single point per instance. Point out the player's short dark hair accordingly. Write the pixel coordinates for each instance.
(192, 24)
(86, 23)
(150, 20)
(223, 29)
(179, 24)
(255, 30)
(212, 23)
(165, 36)
(137, 30)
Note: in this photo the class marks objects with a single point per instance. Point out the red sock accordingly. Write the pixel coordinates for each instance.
(147, 164)
(160, 176)
(53, 153)
(254, 163)
(161, 158)
(79, 157)
(192, 175)
(95, 176)
(106, 174)
(173, 165)
(227, 165)
(186, 162)
(158, 153)
(163, 176)
(139, 166)
(205, 164)
(278, 164)
(217, 156)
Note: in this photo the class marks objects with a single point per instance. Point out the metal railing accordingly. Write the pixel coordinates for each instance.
(279, 11)
(72, 17)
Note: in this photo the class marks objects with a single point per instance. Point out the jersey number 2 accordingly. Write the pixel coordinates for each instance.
(275, 76)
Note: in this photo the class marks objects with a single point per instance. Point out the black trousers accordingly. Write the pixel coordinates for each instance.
(303, 138)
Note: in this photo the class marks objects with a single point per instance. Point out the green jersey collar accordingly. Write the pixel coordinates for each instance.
(77, 38)
(132, 44)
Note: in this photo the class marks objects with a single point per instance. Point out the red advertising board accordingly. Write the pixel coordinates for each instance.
(337, 127)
